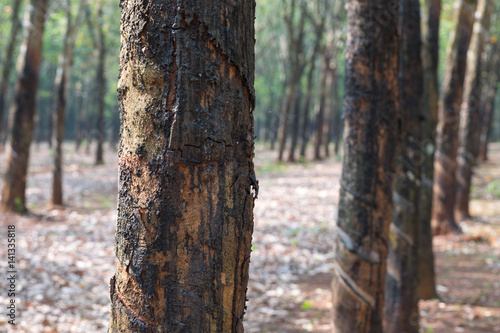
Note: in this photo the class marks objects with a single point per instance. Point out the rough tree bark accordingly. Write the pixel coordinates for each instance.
(445, 166)
(430, 97)
(401, 301)
(187, 184)
(30, 56)
(62, 86)
(469, 114)
(7, 59)
(365, 197)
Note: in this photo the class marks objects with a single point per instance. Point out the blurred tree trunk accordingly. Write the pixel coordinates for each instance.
(187, 182)
(401, 301)
(306, 122)
(62, 84)
(320, 117)
(296, 63)
(493, 73)
(319, 29)
(30, 56)
(8, 58)
(101, 86)
(331, 103)
(337, 116)
(295, 124)
(371, 129)
(80, 118)
(430, 97)
(469, 112)
(445, 166)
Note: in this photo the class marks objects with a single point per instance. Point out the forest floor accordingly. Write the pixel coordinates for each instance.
(65, 255)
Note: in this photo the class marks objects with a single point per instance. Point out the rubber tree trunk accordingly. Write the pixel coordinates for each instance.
(365, 206)
(488, 106)
(296, 63)
(30, 56)
(401, 301)
(101, 87)
(469, 113)
(430, 97)
(306, 121)
(62, 86)
(295, 125)
(8, 58)
(320, 117)
(331, 104)
(445, 166)
(187, 184)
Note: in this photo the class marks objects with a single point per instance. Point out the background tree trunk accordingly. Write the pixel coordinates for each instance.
(365, 197)
(7, 59)
(295, 125)
(489, 102)
(62, 84)
(14, 186)
(469, 113)
(187, 182)
(320, 117)
(101, 87)
(443, 220)
(430, 97)
(401, 301)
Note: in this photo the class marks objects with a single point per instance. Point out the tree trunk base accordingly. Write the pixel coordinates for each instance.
(446, 227)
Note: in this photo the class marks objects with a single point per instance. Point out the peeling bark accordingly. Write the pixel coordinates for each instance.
(187, 184)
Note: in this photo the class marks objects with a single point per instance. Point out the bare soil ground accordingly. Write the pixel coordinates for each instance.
(65, 255)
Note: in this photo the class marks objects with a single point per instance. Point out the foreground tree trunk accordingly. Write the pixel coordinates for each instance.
(430, 97)
(443, 220)
(7, 59)
(187, 184)
(401, 301)
(469, 113)
(365, 197)
(30, 56)
(62, 84)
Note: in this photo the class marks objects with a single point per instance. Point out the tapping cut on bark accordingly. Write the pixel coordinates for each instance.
(371, 127)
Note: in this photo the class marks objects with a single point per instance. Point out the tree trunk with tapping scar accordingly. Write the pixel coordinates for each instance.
(430, 60)
(371, 118)
(30, 57)
(187, 184)
(445, 166)
(401, 301)
(469, 114)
